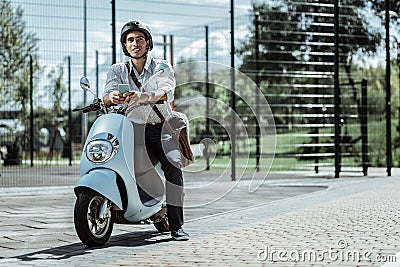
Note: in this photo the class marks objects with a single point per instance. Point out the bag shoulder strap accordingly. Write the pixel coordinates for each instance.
(138, 84)
(158, 112)
(133, 76)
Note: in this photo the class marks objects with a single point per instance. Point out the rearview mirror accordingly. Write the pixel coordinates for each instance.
(85, 85)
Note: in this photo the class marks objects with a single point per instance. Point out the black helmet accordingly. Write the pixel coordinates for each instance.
(135, 26)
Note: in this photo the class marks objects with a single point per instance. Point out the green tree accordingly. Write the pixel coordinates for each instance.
(16, 47)
(295, 49)
(296, 60)
(190, 96)
(56, 89)
(378, 6)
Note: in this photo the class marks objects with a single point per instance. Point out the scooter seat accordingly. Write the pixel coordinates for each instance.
(150, 185)
(144, 159)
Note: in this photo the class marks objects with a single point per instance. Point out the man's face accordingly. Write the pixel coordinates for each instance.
(136, 43)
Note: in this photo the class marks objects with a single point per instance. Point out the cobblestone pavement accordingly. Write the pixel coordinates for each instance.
(360, 230)
(290, 221)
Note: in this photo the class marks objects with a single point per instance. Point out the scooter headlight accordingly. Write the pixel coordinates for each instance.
(99, 151)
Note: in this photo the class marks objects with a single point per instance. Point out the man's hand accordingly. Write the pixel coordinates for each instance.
(132, 98)
(113, 98)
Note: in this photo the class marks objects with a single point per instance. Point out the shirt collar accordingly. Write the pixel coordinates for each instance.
(146, 67)
(148, 63)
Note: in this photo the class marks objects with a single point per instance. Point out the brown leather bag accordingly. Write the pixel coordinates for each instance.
(176, 125)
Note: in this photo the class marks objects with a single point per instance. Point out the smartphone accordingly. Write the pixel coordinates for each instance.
(123, 88)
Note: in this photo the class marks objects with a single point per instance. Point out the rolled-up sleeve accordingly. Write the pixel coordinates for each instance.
(168, 85)
(113, 79)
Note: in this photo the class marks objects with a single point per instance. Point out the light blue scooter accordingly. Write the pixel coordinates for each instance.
(120, 182)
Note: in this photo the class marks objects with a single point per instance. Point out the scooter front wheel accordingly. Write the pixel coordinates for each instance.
(93, 218)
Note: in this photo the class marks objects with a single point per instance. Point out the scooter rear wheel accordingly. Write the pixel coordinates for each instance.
(92, 228)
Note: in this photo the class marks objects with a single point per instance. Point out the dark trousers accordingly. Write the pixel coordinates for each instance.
(166, 149)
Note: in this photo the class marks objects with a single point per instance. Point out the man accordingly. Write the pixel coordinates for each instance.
(136, 41)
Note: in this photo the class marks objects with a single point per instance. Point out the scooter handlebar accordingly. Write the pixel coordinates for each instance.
(92, 107)
(87, 109)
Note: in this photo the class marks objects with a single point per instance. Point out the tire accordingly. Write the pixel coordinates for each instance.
(161, 222)
(92, 230)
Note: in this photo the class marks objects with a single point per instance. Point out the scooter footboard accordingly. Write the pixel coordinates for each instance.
(103, 181)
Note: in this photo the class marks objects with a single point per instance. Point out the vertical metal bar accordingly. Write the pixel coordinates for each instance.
(114, 36)
(398, 80)
(84, 40)
(233, 106)
(97, 73)
(208, 134)
(165, 46)
(69, 113)
(388, 92)
(364, 127)
(337, 93)
(84, 117)
(31, 108)
(315, 130)
(257, 47)
(97, 78)
(171, 54)
(171, 49)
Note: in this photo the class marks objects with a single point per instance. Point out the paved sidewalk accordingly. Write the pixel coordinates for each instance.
(293, 220)
(359, 230)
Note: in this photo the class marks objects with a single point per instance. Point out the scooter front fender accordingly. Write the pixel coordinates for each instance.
(103, 181)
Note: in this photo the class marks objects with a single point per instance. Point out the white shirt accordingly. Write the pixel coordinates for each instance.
(118, 74)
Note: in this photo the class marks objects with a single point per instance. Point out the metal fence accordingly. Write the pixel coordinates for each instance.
(287, 50)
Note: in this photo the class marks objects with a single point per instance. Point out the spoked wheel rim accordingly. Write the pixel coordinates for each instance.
(98, 226)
